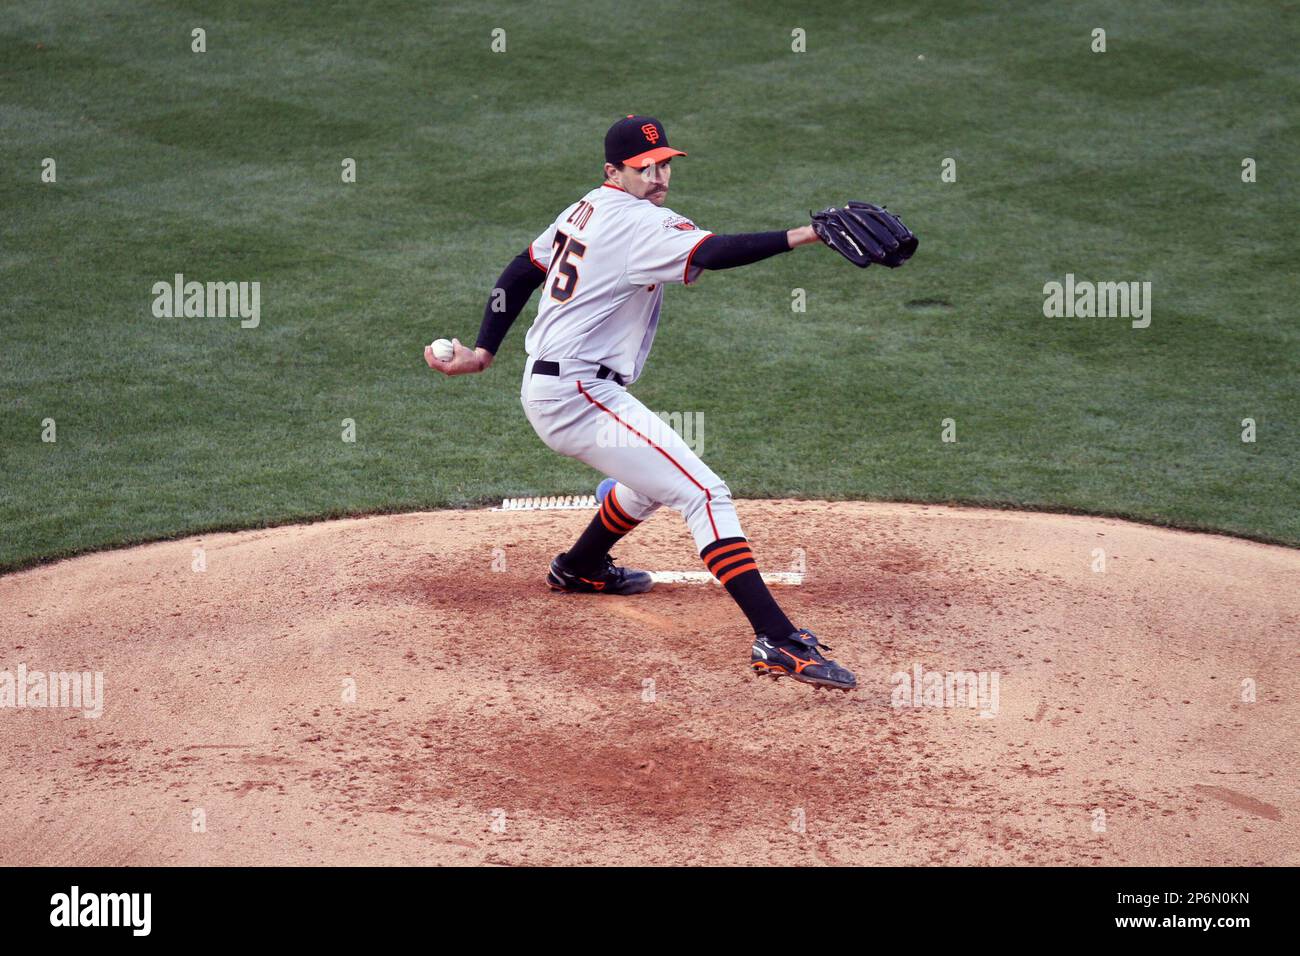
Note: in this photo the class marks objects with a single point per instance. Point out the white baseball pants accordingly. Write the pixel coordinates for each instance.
(597, 421)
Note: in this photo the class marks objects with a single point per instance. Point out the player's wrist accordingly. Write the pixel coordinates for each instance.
(801, 236)
(484, 358)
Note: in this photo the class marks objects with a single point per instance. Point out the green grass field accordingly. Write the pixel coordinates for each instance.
(225, 165)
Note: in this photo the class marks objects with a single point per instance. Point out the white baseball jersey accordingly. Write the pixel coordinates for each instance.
(607, 258)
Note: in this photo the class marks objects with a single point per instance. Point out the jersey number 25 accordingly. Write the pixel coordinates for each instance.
(566, 270)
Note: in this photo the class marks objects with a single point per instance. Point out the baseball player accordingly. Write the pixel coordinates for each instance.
(602, 266)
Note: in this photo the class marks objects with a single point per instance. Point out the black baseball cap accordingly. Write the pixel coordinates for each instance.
(638, 141)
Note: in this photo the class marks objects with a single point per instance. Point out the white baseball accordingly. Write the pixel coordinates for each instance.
(442, 349)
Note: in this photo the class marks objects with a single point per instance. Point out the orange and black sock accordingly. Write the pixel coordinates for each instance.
(731, 561)
(609, 525)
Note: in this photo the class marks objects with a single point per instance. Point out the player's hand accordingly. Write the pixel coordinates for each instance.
(463, 361)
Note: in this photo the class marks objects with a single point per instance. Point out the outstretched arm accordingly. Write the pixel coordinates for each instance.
(513, 289)
(727, 252)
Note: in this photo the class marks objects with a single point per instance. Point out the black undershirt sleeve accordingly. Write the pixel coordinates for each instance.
(517, 283)
(727, 252)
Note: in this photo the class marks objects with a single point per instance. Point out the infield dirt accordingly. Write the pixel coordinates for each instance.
(497, 722)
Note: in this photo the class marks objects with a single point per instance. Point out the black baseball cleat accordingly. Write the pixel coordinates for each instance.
(610, 579)
(799, 655)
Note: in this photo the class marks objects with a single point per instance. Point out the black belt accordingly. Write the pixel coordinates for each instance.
(553, 368)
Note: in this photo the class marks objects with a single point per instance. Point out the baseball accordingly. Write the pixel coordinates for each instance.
(442, 349)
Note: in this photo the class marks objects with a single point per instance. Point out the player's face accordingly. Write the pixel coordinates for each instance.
(650, 183)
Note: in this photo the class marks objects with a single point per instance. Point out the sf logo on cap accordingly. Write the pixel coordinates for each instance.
(650, 133)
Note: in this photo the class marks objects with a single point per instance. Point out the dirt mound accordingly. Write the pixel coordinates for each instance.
(495, 721)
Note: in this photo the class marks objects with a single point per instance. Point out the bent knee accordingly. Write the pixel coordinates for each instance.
(711, 494)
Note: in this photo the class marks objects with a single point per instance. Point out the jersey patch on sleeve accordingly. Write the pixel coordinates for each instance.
(679, 222)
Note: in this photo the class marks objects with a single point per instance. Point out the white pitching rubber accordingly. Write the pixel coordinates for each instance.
(548, 503)
(704, 577)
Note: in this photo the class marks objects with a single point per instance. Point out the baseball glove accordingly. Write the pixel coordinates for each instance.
(865, 233)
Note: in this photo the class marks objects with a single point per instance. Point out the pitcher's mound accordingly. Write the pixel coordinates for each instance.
(406, 690)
